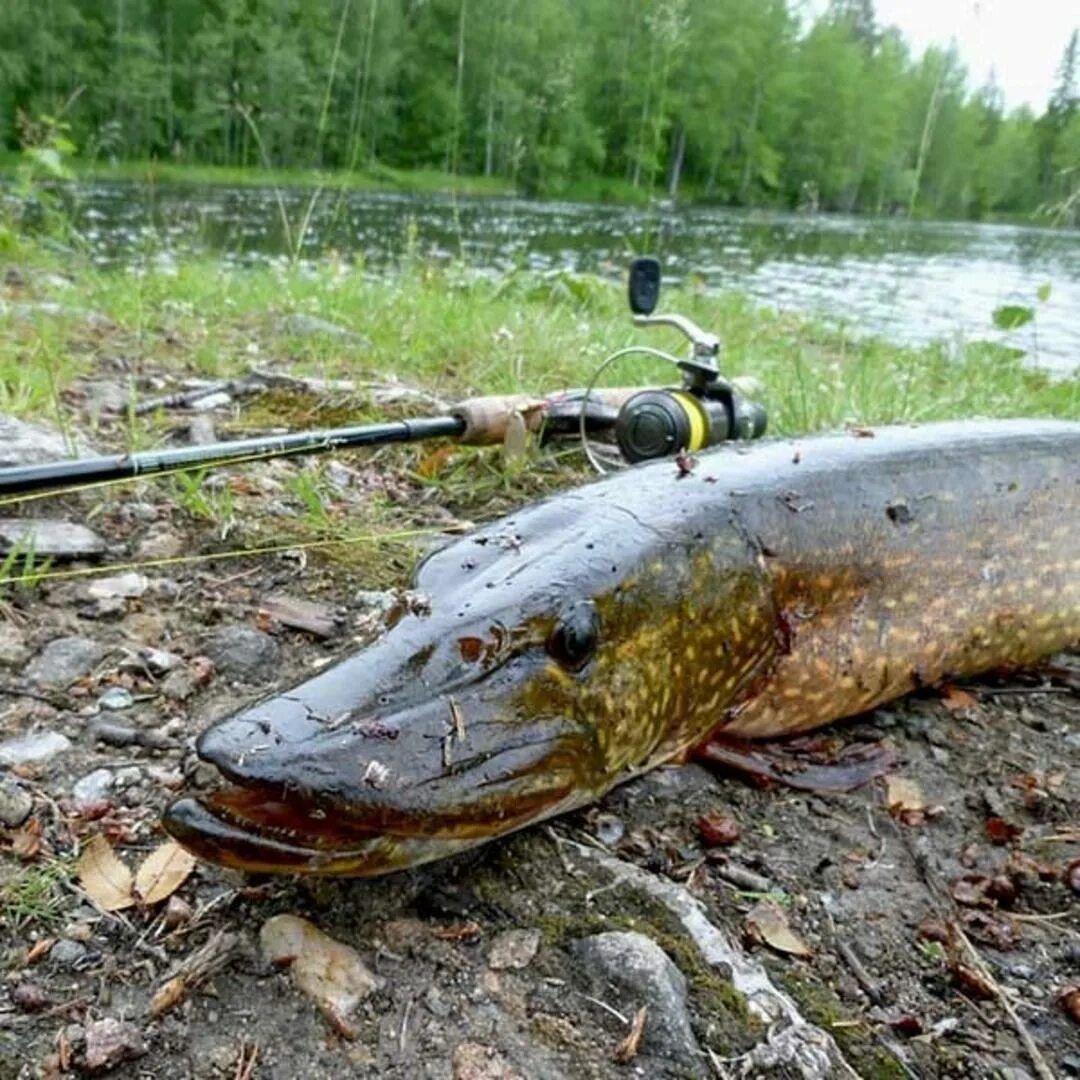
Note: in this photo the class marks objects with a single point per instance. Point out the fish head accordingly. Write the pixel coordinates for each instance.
(542, 665)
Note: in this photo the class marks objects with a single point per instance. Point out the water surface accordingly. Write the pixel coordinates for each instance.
(907, 281)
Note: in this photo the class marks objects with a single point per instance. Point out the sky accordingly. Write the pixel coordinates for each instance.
(1020, 41)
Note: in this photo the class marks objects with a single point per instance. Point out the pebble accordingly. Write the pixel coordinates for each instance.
(52, 538)
(14, 652)
(156, 661)
(218, 400)
(201, 430)
(301, 325)
(1071, 1064)
(179, 685)
(111, 1042)
(475, 1061)
(643, 974)
(64, 660)
(437, 1002)
(36, 748)
(68, 953)
(1072, 741)
(160, 544)
(15, 804)
(129, 586)
(243, 652)
(93, 787)
(22, 443)
(116, 699)
(513, 949)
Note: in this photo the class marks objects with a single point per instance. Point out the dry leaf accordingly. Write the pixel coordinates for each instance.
(627, 1050)
(39, 949)
(436, 461)
(162, 872)
(903, 796)
(767, 924)
(105, 878)
(26, 842)
(168, 995)
(516, 439)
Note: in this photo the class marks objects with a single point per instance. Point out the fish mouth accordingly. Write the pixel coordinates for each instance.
(320, 802)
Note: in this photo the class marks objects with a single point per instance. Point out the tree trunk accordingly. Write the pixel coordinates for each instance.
(751, 129)
(678, 154)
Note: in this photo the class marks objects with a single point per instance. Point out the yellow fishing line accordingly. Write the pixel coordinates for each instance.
(216, 556)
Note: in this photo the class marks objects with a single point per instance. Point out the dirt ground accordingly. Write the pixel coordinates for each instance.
(938, 936)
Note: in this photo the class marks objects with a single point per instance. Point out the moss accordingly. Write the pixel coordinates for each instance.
(855, 1037)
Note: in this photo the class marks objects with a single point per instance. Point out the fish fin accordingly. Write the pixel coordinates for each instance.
(798, 765)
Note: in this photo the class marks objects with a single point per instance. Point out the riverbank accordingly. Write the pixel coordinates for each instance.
(457, 332)
(544, 953)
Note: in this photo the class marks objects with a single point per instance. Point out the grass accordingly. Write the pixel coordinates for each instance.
(457, 333)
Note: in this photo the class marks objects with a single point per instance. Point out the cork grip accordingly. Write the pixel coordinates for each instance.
(486, 418)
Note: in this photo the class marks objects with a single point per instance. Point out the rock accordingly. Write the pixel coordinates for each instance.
(217, 400)
(50, 537)
(116, 699)
(14, 652)
(309, 325)
(328, 971)
(513, 949)
(243, 653)
(154, 661)
(64, 660)
(317, 619)
(1072, 741)
(160, 543)
(201, 430)
(33, 749)
(111, 1042)
(474, 1061)
(23, 443)
(67, 953)
(128, 586)
(113, 733)
(93, 787)
(643, 974)
(15, 804)
(179, 685)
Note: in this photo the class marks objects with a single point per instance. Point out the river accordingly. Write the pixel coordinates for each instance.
(906, 281)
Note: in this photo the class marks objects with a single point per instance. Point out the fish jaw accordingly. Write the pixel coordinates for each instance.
(363, 794)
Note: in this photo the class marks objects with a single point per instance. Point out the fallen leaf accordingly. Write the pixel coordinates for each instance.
(329, 972)
(162, 872)
(516, 439)
(717, 830)
(974, 983)
(39, 949)
(627, 1050)
(767, 924)
(466, 931)
(436, 461)
(1001, 831)
(1070, 1002)
(903, 796)
(26, 842)
(954, 699)
(105, 878)
(168, 995)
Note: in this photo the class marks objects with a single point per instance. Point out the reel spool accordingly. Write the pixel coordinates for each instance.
(705, 410)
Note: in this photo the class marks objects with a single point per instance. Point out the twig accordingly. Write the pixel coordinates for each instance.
(404, 1026)
(607, 1008)
(1041, 1067)
(245, 1063)
(870, 985)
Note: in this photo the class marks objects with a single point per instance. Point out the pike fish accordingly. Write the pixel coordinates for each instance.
(771, 589)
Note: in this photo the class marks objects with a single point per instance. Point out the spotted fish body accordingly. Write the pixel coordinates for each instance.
(772, 589)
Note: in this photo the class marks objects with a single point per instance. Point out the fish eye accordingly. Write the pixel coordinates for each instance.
(573, 641)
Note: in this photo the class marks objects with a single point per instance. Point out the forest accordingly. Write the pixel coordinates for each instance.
(742, 102)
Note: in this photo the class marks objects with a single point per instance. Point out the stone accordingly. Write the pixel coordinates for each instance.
(179, 685)
(50, 538)
(14, 652)
(67, 953)
(475, 1061)
(243, 652)
(15, 804)
(160, 543)
(116, 699)
(218, 400)
(64, 660)
(23, 443)
(93, 787)
(33, 749)
(113, 733)
(513, 949)
(111, 1042)
(642, 974)
(128, 586)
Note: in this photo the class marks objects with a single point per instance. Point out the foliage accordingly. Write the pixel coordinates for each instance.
(741, 101)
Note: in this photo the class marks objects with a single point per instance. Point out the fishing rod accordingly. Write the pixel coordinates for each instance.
(643, 423)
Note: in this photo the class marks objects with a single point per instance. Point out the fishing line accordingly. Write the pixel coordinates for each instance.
(217, 556)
